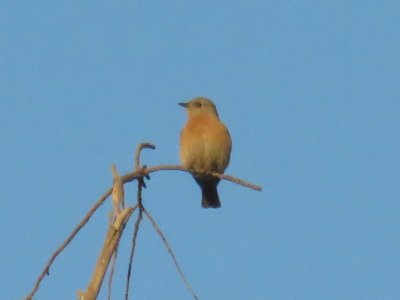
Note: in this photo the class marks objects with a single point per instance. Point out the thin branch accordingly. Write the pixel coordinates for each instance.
(133, 247)
(82, 223)
(169, 249)
(137, 163)
(139, 150)
(145, 171)
(134, 237)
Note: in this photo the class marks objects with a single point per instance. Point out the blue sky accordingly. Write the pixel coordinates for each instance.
(310, 92)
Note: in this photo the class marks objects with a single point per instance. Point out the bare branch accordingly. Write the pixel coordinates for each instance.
(133, 248)
(169, 249)
(139, 149)
(143, 172)
(134, 237)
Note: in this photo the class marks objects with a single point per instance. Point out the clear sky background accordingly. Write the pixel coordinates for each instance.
(310, 92)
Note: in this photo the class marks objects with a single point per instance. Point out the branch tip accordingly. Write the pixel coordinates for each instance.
(139, 149)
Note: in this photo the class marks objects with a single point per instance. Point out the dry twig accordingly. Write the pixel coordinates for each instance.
(146, 171)
(134, 237)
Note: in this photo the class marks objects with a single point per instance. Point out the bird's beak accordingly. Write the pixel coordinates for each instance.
(183, 104)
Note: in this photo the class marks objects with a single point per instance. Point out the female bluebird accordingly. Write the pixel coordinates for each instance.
(205, 146)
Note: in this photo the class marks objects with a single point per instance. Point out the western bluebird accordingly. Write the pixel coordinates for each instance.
(205, 146)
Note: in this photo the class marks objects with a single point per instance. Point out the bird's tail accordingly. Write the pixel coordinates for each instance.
(210, 198)
(209, 192)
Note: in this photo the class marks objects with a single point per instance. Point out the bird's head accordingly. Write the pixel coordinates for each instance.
(199, 106)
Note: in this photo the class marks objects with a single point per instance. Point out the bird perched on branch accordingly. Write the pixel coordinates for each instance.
(205, 146)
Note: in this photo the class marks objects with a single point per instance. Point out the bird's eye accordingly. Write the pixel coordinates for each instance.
(197, 104)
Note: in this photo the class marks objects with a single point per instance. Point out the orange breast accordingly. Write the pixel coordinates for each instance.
(205, 144)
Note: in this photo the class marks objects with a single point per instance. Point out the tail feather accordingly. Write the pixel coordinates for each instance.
(209, 192)
(210, 198)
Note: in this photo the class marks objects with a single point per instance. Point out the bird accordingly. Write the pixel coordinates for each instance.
(205, 146)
